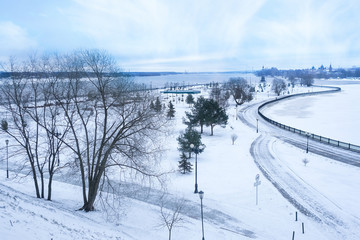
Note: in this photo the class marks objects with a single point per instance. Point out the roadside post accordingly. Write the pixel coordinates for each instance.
(256, 184)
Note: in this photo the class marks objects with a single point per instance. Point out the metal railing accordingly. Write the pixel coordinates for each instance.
(326, 140)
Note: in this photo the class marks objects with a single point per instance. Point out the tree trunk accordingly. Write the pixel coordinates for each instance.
(212, 130)
(83, 182)
(35, 181)
(89, 206)
(93, 190)
(49, 186)
(42, 185)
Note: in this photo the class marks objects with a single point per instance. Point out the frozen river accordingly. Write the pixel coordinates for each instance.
(334, 115)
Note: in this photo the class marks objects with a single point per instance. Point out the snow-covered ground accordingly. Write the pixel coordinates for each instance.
(332, 115)
(226, 173)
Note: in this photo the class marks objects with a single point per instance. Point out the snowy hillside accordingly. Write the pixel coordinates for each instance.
(226, 173)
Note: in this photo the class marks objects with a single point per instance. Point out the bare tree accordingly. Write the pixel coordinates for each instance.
(278, 86)
(292, 80)
(305, 161)
(240, 90)
(48, 115)
(83, 103)
(307, 79)
(16, 96)
(170, 214)
(28, 100)
(111, 122)
(220, 94)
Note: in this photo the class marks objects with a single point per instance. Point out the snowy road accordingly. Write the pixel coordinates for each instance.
(249, 114)
(296, 190)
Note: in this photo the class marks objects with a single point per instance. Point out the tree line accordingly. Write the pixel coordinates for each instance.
(321, 72)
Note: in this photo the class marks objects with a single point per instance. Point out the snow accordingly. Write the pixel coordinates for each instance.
(226, 173)
(341, 188)
(332, 115)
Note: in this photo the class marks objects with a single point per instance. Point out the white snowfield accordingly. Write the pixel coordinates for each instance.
(324, 193)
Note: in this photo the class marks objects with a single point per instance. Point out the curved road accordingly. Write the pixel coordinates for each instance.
(298, 192)
(249, 114)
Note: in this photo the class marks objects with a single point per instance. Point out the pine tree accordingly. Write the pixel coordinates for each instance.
(197, 115)
(171, 110)
(184, 165)
(190, 99)
(191, 136)
(206, 112)
(152, 106)
(157, 106)
(214, 114)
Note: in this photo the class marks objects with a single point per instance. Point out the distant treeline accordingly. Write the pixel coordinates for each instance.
(321, 72)
(147, 74)
(80, 74)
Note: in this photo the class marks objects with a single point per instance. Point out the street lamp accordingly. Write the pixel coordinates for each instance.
(196, 150)
(201, 195)
(257, 125)
(7, 158)
(236, 112)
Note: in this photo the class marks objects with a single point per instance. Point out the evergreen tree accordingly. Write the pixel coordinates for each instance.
(184, 165)
(197, 115)
(206, 112)
(157, 106)
(171, 110)
(190, 99)
(152, 106)
(4, 125)
(190, 136)
(214, 114)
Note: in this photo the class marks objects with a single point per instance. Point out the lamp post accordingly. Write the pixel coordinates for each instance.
(196, 150)
(7, 158)
(257, 125)
(307, 142)
(236, 112)
(201, 195)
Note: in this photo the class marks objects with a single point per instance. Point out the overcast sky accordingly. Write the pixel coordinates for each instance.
(188, 35)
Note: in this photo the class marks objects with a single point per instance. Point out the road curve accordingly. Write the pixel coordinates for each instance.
(302, 195)
(299, 193)
(249, 114)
